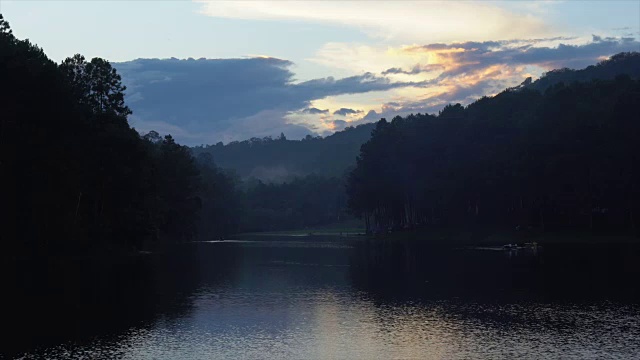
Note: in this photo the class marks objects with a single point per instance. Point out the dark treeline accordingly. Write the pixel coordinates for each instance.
(622, 63)
(562, 159)
(74, 174)
(77, 176)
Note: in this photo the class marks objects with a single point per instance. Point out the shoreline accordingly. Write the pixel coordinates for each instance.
(456, 238)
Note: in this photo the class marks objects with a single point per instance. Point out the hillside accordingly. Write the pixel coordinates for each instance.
(564, 160)
(623, 63)
(281, 159)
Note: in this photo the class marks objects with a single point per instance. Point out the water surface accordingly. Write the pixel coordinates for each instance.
(316, 298)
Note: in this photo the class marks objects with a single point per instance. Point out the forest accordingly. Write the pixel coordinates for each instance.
(476, 168)
(75, 175)
(564, 159)
(279, 159)
(557, 153)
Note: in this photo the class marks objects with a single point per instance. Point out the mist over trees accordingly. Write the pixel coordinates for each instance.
(279, 159)
(232, 205)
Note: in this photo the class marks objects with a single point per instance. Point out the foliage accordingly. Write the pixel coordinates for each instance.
(230, 205)
(625, 63)
(75, 175)
(301, 203)
(565, 159)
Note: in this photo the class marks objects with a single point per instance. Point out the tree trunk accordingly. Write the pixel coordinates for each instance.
(631, 220)
(75, 218)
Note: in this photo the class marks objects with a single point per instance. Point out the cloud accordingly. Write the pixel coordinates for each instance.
(468, 57)
(486, 46)
(367, 82)
(390, 20)
(213, 99)
(471, 70)
(208, 100)
(339, 125)
(315, 111)
(417, 69)
(346, 111)
(331, 126)
(264, 123)
(415, 59)
(372, 115)
(575, 56)
(192, 91)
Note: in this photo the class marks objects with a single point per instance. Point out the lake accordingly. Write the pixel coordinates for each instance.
(327, 298)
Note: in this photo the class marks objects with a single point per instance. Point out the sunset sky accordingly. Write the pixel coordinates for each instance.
(208, 71)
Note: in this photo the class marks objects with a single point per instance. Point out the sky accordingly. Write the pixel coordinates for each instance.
(208, 71)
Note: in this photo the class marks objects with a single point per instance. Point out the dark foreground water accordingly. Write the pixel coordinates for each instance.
(322, 299)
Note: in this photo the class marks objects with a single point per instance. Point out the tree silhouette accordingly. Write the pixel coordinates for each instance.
(97, 85)
(75, 175)
(562, 160)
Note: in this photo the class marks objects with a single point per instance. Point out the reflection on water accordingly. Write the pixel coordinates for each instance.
(324, 299)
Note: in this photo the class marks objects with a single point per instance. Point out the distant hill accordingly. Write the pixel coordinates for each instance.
(627, 63)
(275, 160)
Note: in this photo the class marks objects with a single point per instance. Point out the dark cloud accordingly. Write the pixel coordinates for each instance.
(315, 111)
(334, 125)
(479, 56)
(388, 112)
(264, 123)
(461, 94)
(205, 100)
(208, 100)
(468, 93)
(339, 125)
(469, 45)
(485, 46)
(367, 82)
(417, 69)
(576, 56)
(372, 115)
(346, 111)
(194, 94)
